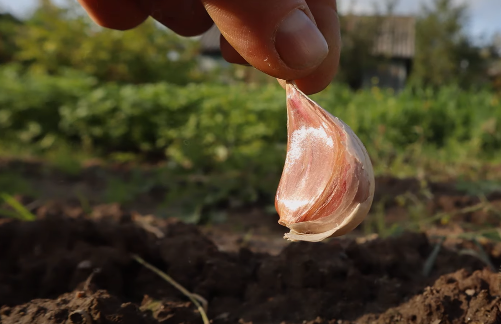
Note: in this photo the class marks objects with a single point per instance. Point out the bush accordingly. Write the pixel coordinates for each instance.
(30, 103)
(55, 38)
(234, 136)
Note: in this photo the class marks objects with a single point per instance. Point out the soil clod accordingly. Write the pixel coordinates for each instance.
(48, 275)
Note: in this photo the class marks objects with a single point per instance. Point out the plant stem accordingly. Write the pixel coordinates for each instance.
(169, 279)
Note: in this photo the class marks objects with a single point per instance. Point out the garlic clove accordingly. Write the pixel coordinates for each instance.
(327, 183)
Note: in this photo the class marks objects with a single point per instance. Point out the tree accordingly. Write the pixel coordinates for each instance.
(493, 54)
(444, 53)
(358, 36)
(8, 25)
(56, 38)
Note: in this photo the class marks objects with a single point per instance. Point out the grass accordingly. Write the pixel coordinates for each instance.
(192, 202)
(84, 203)
(225, 144)
(480, 187)
(120, 191)
(416, 217)
(18, 210)
(12, 183)
(197, 300)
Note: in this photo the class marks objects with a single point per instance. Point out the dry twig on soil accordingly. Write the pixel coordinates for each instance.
(194, 298)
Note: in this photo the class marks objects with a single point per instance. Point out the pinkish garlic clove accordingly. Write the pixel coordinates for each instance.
(327, 184)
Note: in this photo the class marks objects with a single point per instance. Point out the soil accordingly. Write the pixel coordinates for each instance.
(65, 268)
(73, 265)
(396, 194)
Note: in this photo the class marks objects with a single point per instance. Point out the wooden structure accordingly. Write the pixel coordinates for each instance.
(394, 47)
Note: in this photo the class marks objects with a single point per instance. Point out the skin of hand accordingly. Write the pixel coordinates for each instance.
(288, 39)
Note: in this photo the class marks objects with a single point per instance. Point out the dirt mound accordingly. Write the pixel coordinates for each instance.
(38, 183)
(459, 297)
(79, 270)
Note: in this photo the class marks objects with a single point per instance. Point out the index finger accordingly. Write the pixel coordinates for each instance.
(186, 17)
(117, 14)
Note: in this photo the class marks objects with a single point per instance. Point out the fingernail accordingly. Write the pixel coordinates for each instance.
(299, 42)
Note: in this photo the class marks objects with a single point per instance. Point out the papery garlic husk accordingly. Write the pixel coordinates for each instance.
(327, 184)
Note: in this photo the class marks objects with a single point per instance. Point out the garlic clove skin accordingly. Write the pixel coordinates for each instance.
(327, 185)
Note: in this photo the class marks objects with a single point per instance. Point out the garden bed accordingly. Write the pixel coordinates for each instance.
(79, 269)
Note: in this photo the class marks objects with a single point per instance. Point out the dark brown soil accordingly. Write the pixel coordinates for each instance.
(75, 266)
(396, 195)
(73, 269)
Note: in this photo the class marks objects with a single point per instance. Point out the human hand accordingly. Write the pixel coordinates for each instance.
(278, 37)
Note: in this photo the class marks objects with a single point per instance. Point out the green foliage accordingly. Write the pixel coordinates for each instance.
(55, 38)
(229, 141)
(8, 27)
(359, 34)
(427, 119)
(29, 103)
(478, 188)
(13, 183)
(441, 42)
(19, 211)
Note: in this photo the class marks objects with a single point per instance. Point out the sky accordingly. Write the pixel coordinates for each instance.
(485, 15)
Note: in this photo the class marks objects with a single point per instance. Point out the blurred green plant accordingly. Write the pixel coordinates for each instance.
(441, 38)
(119, 191)
(8, 27)
(221, 141)
(359, 34)
(13, 183)
(55, 38)
(18, 210)
(84, 203)
(480, 187)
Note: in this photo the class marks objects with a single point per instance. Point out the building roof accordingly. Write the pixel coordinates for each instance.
(209, 42)
(494, 69)
(395, 39)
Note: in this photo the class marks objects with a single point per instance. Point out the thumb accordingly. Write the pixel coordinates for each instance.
(278, 37)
